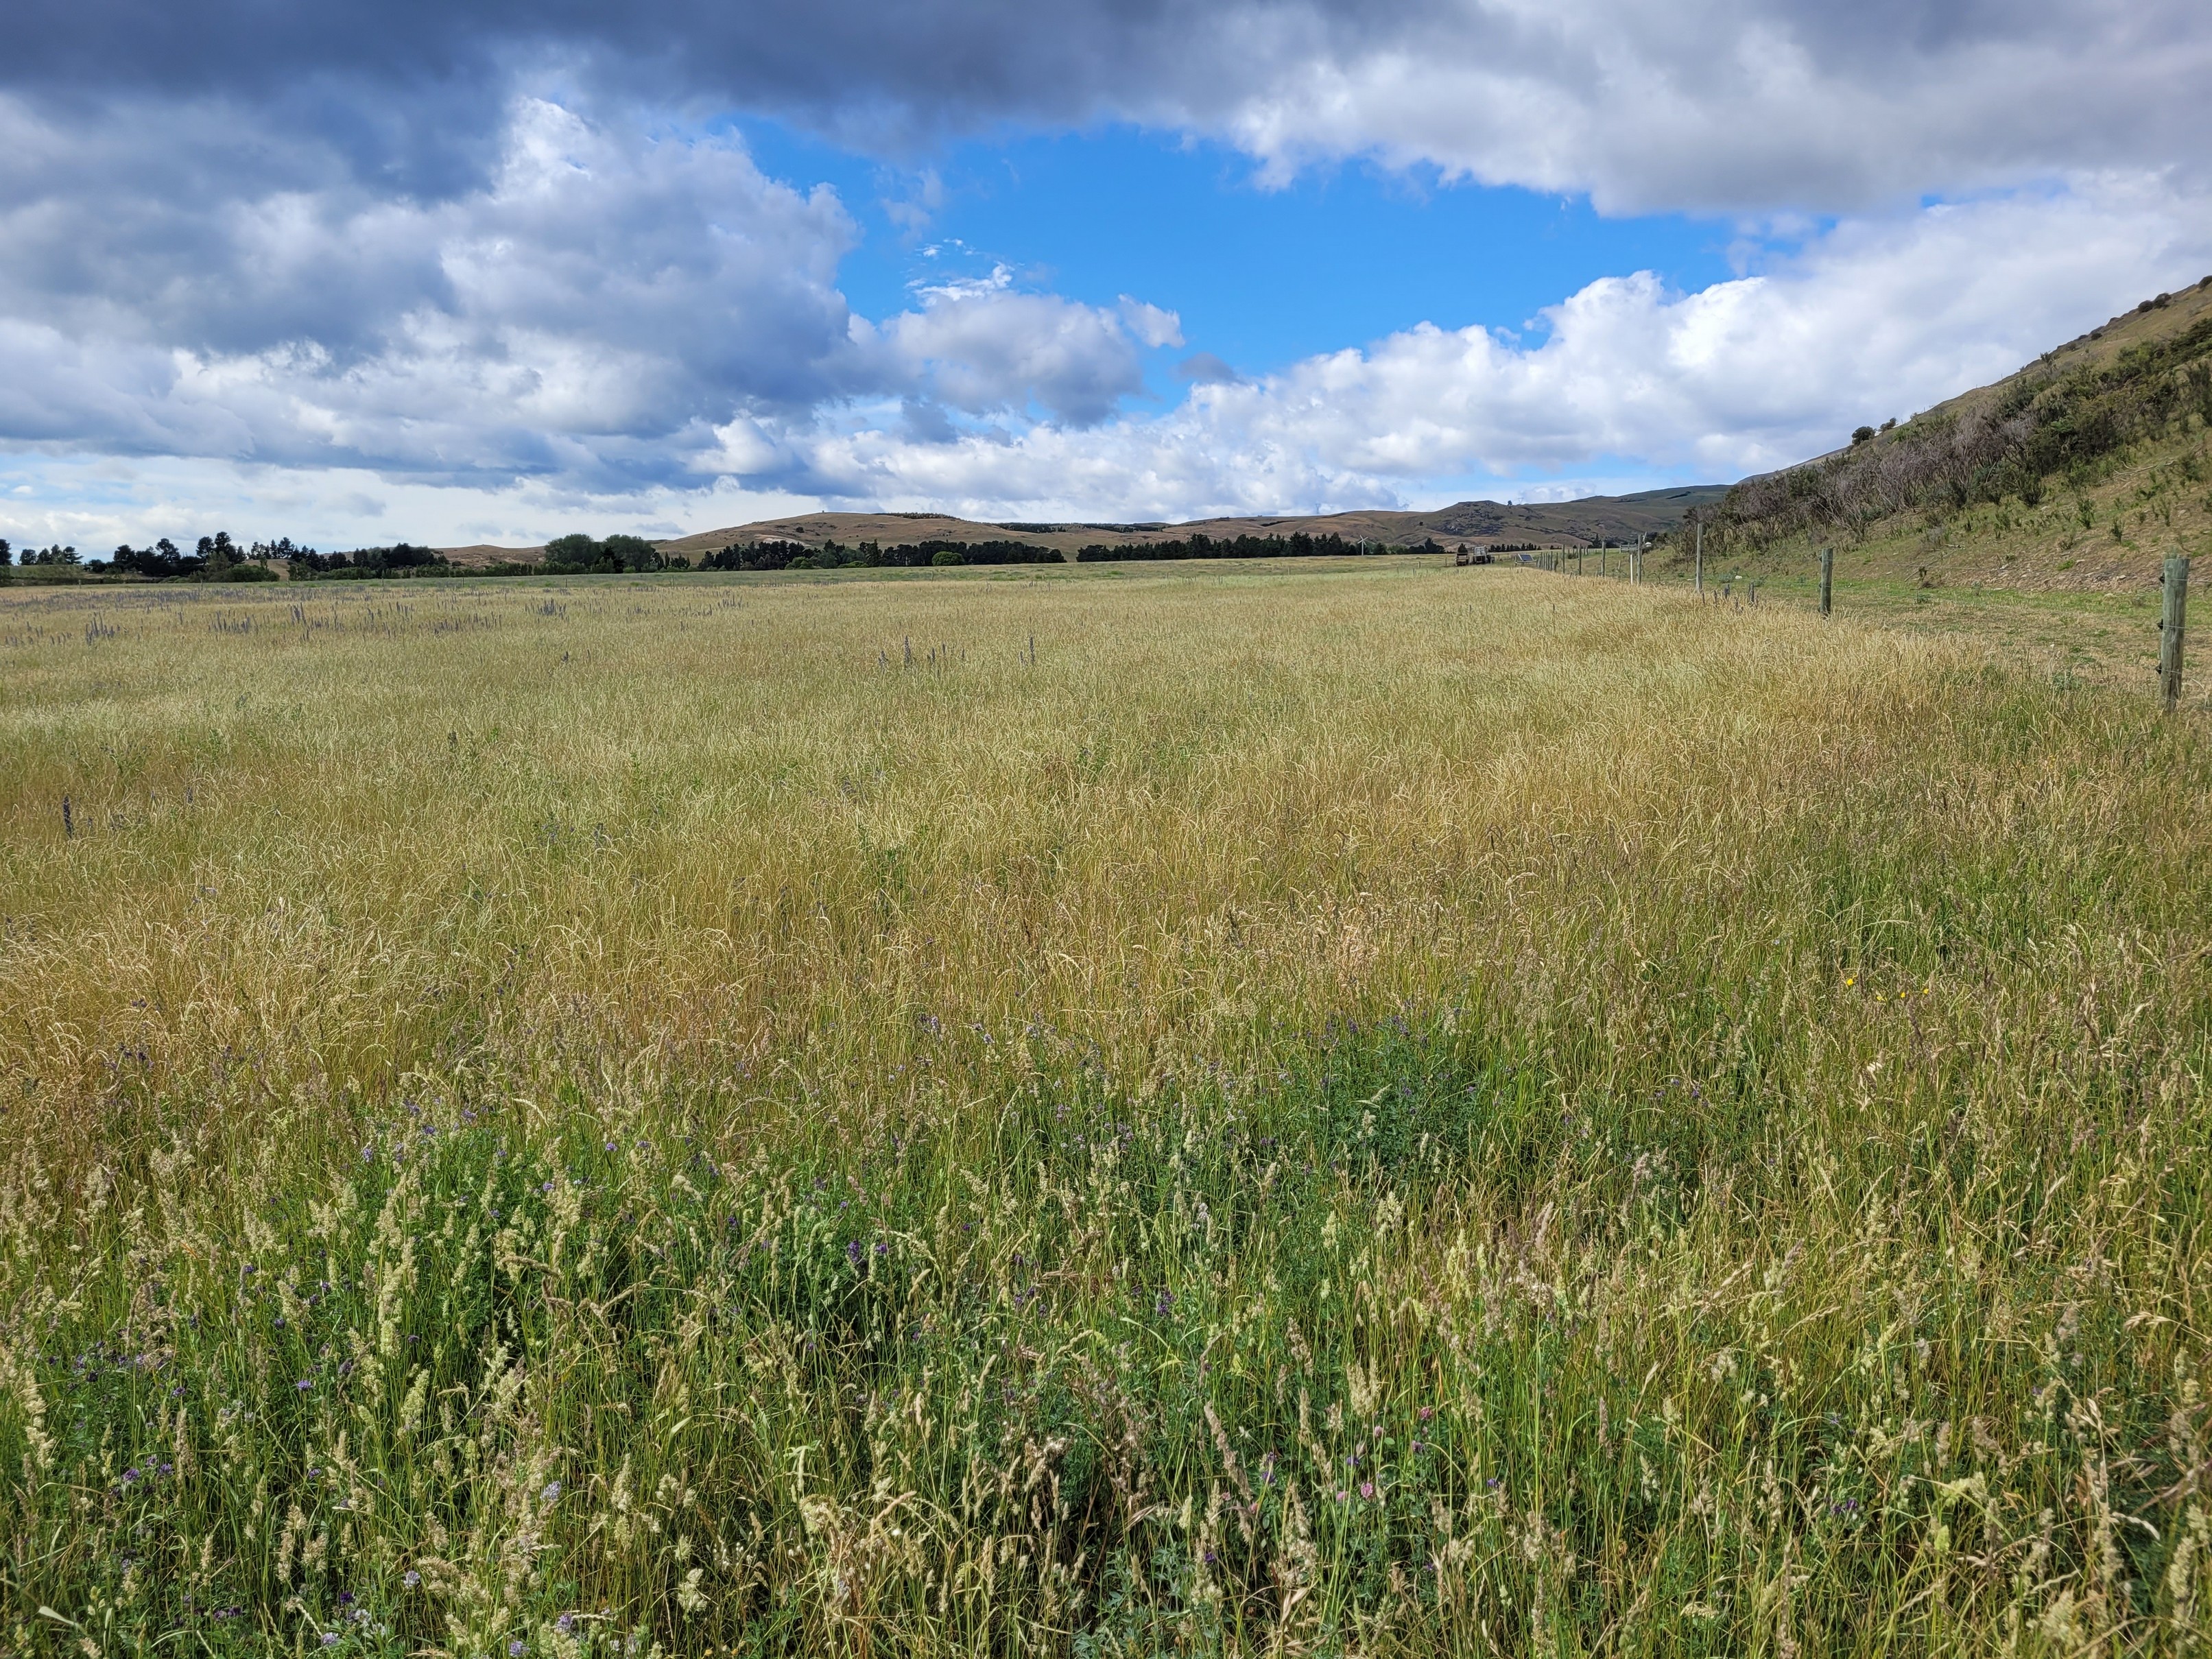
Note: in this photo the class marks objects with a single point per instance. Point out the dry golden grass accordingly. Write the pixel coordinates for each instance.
(734, 822)
(1376, 1109)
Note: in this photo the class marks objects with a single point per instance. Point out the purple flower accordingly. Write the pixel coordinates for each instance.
(1367, 1489)
(853, 1253)
(303, 1385)
(330, 1638)
(552, 1493)
(516, 1649)
(410, 1578)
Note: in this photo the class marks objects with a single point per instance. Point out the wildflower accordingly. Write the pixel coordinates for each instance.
(303, 1385)
(1342, 1496)
(1161, 1307)
(853, 1253)
(551, 1494)
(410, 1578)
(516, 1648)
(330, 1638)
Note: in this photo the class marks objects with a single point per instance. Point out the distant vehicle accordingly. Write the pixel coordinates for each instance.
(1473, 555)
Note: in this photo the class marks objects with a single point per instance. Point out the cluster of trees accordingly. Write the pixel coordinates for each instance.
(32, 555)
(579, 555)
(216, 558)
(834, 556)
(366, 563)
(1200, 546)
(2041, 425)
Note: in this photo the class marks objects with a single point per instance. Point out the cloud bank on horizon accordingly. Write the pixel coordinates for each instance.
(487, 266)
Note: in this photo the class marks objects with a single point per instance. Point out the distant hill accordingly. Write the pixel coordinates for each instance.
(2081, 470)
(1564, 524)
(1548, 523)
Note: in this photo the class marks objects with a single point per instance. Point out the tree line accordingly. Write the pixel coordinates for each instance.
(835, 555)
(1298, 545)
(218, 558)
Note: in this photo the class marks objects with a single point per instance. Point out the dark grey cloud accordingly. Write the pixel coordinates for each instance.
(1744, 105)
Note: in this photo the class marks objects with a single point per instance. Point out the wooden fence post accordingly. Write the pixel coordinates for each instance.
(1828, 580)
(1698, 577)
(2172, 625)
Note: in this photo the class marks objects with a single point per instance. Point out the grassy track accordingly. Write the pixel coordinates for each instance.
(1327, 1110)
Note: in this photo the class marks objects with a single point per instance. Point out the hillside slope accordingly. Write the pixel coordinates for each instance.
(2080, 470)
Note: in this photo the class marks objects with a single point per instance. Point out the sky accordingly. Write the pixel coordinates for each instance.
(460, 271)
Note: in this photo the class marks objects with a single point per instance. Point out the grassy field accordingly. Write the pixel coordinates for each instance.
(1376, 1109)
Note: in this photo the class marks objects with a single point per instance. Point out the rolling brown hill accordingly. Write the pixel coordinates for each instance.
(1563, 524)
(1544, 524)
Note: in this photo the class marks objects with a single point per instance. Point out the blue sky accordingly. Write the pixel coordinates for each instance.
(463, 270)
(1262, 274)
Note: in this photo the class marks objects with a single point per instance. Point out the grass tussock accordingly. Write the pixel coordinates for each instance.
(1372, 1112)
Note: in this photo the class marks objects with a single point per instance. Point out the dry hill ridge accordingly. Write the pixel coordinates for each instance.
(1562, 523)
(1544, 524)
